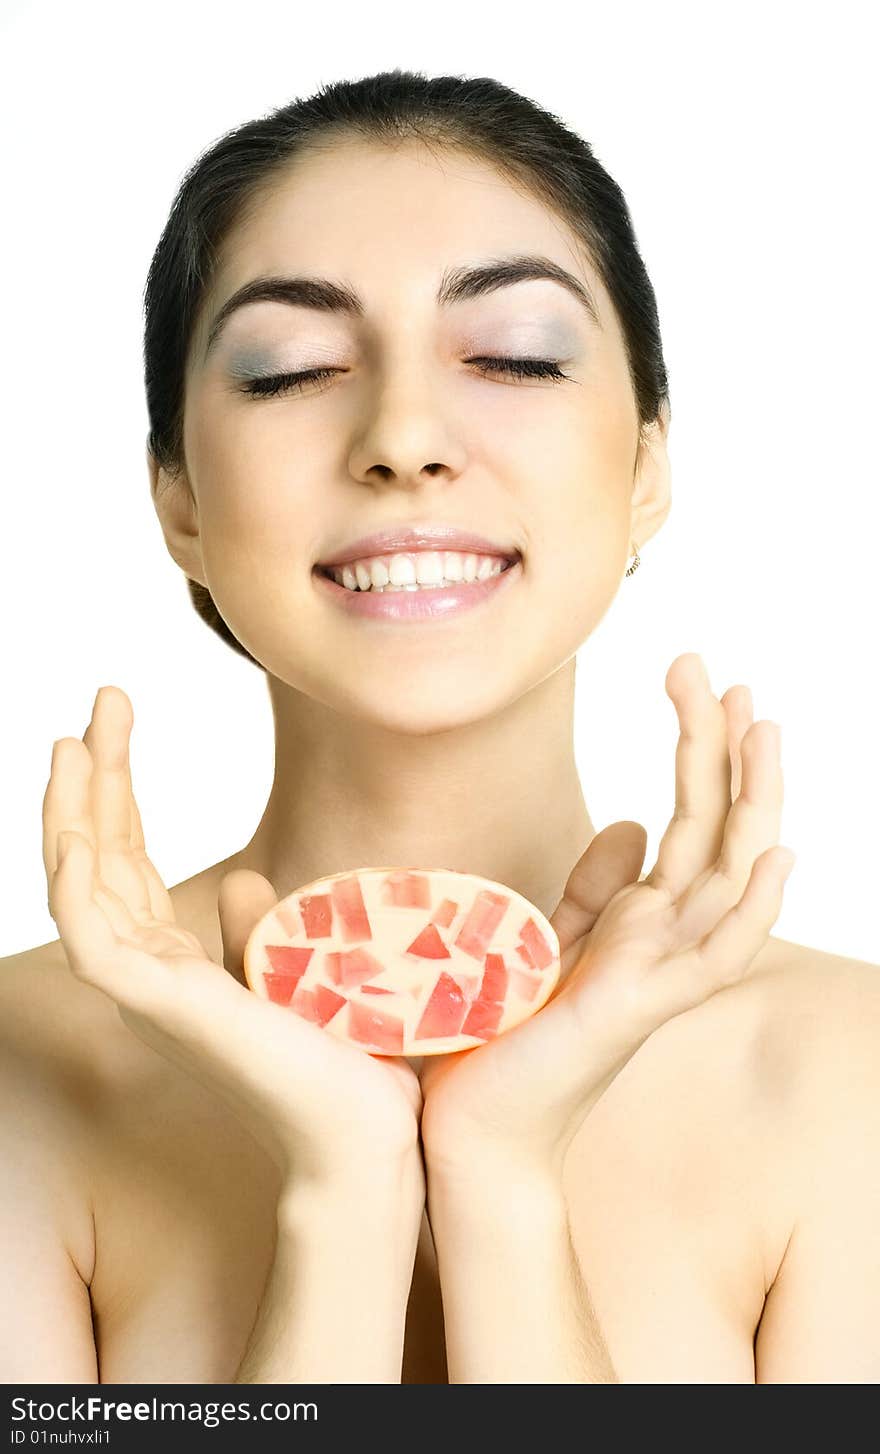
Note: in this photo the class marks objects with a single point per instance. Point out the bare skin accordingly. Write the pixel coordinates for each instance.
(691, 1185)
(685, 1184)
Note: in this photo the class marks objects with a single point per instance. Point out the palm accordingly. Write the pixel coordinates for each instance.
(120, 933)
(634, 953)
(459, 1089)
(188, 983)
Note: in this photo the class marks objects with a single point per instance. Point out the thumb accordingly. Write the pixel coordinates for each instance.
(613, 859)
(243, 898)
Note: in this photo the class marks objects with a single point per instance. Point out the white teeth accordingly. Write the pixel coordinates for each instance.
(426, 569)
(429, 568)
(402, 571)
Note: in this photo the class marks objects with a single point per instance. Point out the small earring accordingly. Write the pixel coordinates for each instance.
(637, 561)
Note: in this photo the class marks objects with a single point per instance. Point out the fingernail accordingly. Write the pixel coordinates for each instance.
(788, 861)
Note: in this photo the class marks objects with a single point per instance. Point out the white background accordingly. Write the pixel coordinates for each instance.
(745, 143)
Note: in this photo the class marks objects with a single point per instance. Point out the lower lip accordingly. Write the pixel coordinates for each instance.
(434, 603)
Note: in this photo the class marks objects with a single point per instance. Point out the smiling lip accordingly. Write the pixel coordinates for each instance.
(418, 537)
(438, 603)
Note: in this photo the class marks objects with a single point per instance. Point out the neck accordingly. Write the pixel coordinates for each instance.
(500, 797)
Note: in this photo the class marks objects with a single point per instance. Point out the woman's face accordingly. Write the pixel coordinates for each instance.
(408, 430)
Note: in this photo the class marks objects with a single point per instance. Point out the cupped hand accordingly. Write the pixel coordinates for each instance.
(634, 953)
(318, 1105)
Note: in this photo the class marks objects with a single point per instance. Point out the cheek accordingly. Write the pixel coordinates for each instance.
(575, 578)
(577, 492)
(577, 520)
(252, 490)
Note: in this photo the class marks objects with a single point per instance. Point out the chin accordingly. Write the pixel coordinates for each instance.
(437, 708)
(428, 721)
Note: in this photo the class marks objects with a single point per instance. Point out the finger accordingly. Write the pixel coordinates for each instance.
(137, 830)
(124, 864)
(115, 910)
(753, 826)
(103, 943)
(613, 858)
(107, 738)
(67, 799)
(242, 899)
(722, 957)
(693, 838)
(737, 703)
(88, 927)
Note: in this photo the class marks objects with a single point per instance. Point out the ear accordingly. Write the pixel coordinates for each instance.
(652, 487)
(175, 505)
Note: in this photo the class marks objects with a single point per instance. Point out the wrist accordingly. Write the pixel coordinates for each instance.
(478, 1180)
(480, 1164)
(361, 1193)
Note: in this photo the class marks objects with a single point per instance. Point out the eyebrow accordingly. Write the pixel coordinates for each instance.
(456, 285)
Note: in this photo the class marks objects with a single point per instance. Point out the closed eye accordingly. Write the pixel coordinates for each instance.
(520, 368)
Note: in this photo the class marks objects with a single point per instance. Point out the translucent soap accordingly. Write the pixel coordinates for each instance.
(402, 961)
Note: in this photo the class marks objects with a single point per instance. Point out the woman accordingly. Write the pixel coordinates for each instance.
(418, 304)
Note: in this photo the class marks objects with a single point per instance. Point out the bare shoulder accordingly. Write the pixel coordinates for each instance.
(821, 1072)
(821, 1014)
(725, 1111)
(810, 1086)
(806, 972)
(50, 1017)
(815, 1010)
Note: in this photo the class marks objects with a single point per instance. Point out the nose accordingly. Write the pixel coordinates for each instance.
(406, 436)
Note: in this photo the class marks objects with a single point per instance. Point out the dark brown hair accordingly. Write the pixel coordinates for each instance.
(519, 138)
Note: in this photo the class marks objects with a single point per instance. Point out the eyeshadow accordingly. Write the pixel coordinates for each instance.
(536, 338)
(527, 337)
(251, 363)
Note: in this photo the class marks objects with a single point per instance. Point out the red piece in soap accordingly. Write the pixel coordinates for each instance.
(317, 915)
(484, 916)
(375, 1028)
(289, 958)
(483, 1019)
(536, 946)
(351, 967)
(280, 987)
(445, 914)
(318, 1004)
(444, 1011)
(485, 1013)
(428, 944)
(407, 890)
(348, 901)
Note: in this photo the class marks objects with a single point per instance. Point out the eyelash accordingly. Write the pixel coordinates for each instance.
(532, 368)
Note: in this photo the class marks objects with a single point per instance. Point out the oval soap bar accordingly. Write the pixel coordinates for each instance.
(402, 961)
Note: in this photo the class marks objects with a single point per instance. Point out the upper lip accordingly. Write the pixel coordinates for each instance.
(430, 536)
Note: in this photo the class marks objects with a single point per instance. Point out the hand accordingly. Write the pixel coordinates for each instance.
(317, 1104)
(633, 953)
